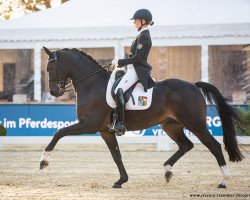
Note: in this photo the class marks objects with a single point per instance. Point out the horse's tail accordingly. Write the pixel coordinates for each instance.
(229, 117)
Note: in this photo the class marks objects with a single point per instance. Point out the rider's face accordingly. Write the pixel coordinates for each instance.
(137, 23)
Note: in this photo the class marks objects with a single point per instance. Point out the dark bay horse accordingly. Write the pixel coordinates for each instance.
(176, 104)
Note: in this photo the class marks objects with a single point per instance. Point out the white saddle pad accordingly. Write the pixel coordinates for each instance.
(142, 99)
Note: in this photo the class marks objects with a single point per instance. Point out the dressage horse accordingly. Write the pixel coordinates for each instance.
(175, 104)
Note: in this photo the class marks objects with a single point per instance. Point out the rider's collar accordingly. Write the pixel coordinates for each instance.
(143, 29)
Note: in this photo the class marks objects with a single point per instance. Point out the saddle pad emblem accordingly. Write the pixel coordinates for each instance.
(142, 101)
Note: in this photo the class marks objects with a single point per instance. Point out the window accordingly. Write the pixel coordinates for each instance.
(16, 74)
(229, 70)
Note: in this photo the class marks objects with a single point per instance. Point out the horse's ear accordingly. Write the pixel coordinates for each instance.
(48, 52)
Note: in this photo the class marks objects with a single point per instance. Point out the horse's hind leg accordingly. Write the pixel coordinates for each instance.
(175, 132)
(196, 123)
(215, 148)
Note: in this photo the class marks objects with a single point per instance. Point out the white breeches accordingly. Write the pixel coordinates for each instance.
(128, 79)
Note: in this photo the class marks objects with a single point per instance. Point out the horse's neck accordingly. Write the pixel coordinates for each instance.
(95, 84)
(92, 91)
(85, 86)
(96, 81)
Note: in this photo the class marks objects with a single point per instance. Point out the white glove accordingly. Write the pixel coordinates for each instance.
(115, 61)
(111, 67)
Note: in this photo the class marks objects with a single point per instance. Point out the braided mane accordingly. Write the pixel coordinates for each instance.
(83, 54)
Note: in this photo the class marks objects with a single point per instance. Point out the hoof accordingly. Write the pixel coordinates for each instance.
(168, 176)
(116, 186)
(43, 164)
(222, 186)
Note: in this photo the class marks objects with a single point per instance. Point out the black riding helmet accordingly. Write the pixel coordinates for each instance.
(143, 14)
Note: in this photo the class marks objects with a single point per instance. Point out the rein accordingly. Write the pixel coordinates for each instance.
(63, 84)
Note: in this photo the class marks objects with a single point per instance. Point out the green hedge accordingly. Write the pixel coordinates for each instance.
(2, 130)
(244, 129)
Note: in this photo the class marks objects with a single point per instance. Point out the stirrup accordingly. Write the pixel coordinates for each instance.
(120, 127)
(120, 133)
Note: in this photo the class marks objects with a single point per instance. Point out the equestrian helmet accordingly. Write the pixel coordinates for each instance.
(143, 14)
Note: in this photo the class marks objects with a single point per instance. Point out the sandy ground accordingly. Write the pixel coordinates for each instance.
(88, 172)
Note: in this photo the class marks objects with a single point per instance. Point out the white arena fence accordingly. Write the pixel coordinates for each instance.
(164, 143)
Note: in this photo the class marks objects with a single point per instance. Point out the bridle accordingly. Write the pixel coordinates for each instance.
(58, 81)
(63, 84)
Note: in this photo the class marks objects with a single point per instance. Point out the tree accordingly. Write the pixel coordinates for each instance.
(10, 9)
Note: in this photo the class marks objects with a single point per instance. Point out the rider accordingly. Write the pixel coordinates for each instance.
(138, 68)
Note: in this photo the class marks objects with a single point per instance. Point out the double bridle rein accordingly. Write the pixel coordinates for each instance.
(63, 84)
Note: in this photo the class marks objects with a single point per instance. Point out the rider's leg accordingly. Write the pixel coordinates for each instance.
(119, 127)
(127, 81)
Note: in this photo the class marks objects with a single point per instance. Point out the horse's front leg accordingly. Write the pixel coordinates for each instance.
(112, 144)
(80, 128)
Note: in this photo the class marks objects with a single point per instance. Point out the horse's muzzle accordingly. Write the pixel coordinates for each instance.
(56, 93)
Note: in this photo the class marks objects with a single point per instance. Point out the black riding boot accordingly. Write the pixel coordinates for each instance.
(119, 127)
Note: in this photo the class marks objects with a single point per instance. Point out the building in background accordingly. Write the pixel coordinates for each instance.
(192, 40)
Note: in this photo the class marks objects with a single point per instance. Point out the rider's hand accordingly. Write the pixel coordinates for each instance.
(112, 67)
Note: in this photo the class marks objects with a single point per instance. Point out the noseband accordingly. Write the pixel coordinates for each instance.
(75, 80)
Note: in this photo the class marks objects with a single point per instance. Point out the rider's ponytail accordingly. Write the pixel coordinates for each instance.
(151, 23)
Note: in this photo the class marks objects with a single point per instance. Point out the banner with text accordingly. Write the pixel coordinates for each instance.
(45, 120)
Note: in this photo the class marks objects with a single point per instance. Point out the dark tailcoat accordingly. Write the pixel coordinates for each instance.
(140, 49)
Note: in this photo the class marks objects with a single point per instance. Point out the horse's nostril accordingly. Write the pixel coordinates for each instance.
(52, 93)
